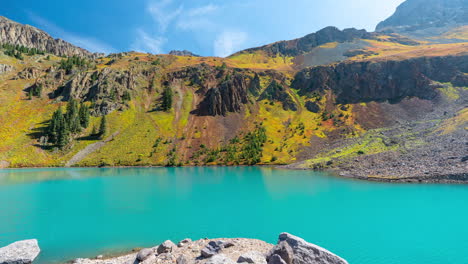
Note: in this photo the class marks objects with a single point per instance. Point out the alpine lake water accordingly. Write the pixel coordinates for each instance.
(84, 212)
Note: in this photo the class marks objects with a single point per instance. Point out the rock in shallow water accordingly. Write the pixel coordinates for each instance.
(21, 252)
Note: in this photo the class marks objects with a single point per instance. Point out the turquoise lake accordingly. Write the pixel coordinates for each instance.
(86, 212)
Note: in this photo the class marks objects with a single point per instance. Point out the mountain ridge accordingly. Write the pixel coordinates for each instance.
(283, 103)
(31, 37)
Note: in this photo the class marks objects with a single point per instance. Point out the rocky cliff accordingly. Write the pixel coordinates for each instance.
(307, 43)
(414, 15)
(25, 35)
(379, 81)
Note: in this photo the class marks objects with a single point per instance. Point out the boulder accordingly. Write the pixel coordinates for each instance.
(254, 257)
(182, 260)
(166, 247)
(21, 252)
(214, 247)
(220, 259)
(276, 259)
(144, 254)
(307, 253)
(284, 250)
(184, 242)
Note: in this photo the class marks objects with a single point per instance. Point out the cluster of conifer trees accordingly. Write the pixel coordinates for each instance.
(17, 51)
(73, 61)
(63, 126)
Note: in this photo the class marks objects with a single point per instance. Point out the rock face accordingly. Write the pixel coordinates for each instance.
(307, 253)
(4, 68)
(383, 80)
(183, 53)
(415, 15)
(31, 37)
(229, 96)
(329, 34)
(277, 92)
(21, 252)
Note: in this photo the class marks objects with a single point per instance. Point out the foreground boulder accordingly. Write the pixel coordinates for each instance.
(21, 252)
(166, 247)
(303, 252)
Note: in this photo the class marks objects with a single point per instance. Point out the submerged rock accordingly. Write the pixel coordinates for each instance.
(21, 252)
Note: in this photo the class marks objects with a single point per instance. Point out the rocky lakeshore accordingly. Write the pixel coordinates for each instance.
(290, 249)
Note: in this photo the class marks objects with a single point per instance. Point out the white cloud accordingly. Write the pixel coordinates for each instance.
(229, 42)
(89, 43)
(197, 18)
(147, 43)
(163, 14)
(203, 10)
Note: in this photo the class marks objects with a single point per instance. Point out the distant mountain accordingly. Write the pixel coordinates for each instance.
(427, 17)
(25, 35)
(183, 53)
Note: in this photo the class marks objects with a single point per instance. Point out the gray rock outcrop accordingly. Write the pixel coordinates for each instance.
(20, 252)
(4, 68)
(220, 259)
(25, 35)
(144, 254)
(253, 257)
(166, 247)
(308, 253)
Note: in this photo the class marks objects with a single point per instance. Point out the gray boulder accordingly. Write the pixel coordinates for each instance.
(182, 260)
(276, 259)
(166, 247)
(284, 250)
(220, 259)
(307, 253)
(184, 242)
(21, 252)
(254, 257)
(144, 254)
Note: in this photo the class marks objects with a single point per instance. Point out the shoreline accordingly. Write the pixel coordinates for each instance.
(460, 178)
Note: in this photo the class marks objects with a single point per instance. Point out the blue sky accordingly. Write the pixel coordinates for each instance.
(205, 27)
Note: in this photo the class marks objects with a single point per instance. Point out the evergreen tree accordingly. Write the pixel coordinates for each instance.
(103, 127)
(72, 118)
(166, 104)
(63, 135)
(84, 116)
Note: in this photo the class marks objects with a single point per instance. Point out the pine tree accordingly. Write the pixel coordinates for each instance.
(72, 118)
(103, 127)
(63, 135)
(84, 116)
(166, 104)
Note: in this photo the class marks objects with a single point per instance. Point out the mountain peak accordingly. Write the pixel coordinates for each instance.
(418, 15)
(14, 33)
(183, 53)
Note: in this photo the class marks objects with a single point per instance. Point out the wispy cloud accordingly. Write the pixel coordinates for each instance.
(163, 13)
(203, 10)
(229, 42)
(197, 18)
(89, 43)
(146, 43)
